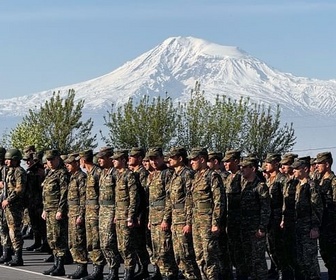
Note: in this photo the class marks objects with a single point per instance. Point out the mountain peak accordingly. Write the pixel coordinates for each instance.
(203, 47)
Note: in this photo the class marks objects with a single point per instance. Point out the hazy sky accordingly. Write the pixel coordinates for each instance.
(45, 44)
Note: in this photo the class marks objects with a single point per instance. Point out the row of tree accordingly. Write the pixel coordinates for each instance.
(219, 125)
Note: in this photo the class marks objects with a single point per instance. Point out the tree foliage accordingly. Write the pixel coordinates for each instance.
(55, 125)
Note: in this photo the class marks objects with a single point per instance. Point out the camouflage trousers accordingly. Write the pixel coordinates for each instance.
(254, 251)
(306, 253)
(140, 242)
(37, 223)
(4, 231)
(275, 244)
(327, 244)
(163, 254)
(224, 261)
(205, 245)
(92, 234)
(13, 214)
(108, 236)
(125, 238)
(57, 233)
(184, 252)
(77, 240)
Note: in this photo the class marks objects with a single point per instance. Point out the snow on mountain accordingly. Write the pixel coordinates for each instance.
(175, 65)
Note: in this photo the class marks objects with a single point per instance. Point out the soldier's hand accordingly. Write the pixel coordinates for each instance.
(164, 226)
(282, 224)
(314, 233)
(130, 224)
(187, 229)
(44, 215)
(149, 226)
(260, 233)
(215, 229)
(4, 204)
(59, 216)
(1, 185)
(79, 220)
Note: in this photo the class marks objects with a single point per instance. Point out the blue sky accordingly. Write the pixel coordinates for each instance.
(45, 44)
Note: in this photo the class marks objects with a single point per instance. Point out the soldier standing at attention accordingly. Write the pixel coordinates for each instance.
(209, 207)
(255, 214)
(92, 215)
(159, 224)
(4, 232)
(12, 203)
(107, 230)
(135, 159)
(308, 216)
(76, 216)
(327, 189)
(54, 194)
(127, 202)
(179, 211)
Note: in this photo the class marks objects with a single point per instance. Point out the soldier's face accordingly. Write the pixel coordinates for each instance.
(231, 165)
(118, 163)
(53, 163)
(321, 167)
(196, 163)
(287, 169)
(174, 161)
(271, 166)
(211, 163)
(146, 164)
(133, 161)
(247, 171)
(156, 162)
(300, 172)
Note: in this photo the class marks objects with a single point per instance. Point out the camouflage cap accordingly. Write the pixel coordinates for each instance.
(301, 162)
(270, 157)
(253, 158)
(177, 151)
(305, 159)
(322, 157)
(86, 153)
(196, 152)
(105, 152)
(154, 152)
(50, 154)
(146, 157)
(63, 157)
(71, 158)
(247, 162)
(120, 153)
(231, 154)
(215, 154)
(288, 159)
(137, 152)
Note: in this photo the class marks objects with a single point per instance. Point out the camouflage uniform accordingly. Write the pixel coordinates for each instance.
(255, 214)
(54, 195)
(209, 207)
(163, 255)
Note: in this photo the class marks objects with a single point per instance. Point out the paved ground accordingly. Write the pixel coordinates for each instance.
(34, 265)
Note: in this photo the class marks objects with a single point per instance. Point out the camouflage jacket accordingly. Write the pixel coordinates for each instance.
(276, 189)
(76, 193)
(208, 196)
(179, 198)
(327, 189)
(255, 205)
(55, 190)
(92, 186)
(288, 208)
(233, 187)
(16, 180)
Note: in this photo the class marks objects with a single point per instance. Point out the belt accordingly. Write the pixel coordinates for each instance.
(123, 203)
(91, 202)
(178, 206)
(73, 202)
(204, 205)
(106, 202)
(157, 203)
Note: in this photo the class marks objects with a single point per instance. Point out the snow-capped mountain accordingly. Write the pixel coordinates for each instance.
(175, 65)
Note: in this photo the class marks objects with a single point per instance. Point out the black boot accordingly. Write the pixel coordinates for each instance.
(80, 272)
(128, 274)
(96, 274)
(59, 270)
(29, 233)
(17, 259)
(51, 258)
(5, 255)
(142, 273)
(37, 243)
(24, 230)
(156, 274)
(47, 272)
(113, 274)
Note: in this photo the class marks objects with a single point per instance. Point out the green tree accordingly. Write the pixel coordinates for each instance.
(55, 125)
(147, 123)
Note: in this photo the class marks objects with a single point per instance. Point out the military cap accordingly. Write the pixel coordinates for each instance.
(288, 159)
(322, 157)
(312, 161)
(253, 158)
(71, 158)
(196, 152)
(105, 152)
(120, 153)
(177, 151)
(306, 159)
(50, 154)
(28, 156)
(215, 154)
(247, 162)
(63, 157)
(263, 167)
(136, 152)
(30, 148)
(146, 157)
(270, 157)
(86, 153)
(2, 152)
(298, 163)
(155, 152)
(231, 154)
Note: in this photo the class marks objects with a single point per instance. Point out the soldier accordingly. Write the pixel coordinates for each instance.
(327, 189)
(308, 216)
(179, 211)
(209, 207)
(288, 217)
(215, 163)
(142, 234)
(4, 232)
(12, 203)
(276, 183)
(232, 186)
(255, 214)
(54, 194)
(159, 224)
(107, 229)
(92, 215)
(76, 216)
(127, 201)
